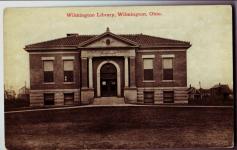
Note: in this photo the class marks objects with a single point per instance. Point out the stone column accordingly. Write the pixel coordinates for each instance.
(126, 71)
(130, 93)
(84, 71)
(90, 73)
(132, 72)
(87, 94)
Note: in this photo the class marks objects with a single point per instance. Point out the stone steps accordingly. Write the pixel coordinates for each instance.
(108, 101)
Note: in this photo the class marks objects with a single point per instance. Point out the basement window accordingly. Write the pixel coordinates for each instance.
(168, 96)
(148, 97)
(49, 99)
(68, 98)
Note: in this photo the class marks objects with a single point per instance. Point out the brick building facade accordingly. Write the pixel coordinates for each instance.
(76, 69)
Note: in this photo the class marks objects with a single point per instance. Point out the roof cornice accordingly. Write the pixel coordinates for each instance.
(166, 46)
(49, 48)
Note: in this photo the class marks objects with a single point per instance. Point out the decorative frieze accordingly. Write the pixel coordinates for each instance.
(104, 53)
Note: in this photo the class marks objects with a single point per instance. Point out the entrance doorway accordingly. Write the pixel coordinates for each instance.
(108, 80)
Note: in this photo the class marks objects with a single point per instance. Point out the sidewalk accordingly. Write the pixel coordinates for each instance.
(29, 109)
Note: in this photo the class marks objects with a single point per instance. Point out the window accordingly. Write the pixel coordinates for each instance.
(148, 68)
(168, 96)
(68, 98)
(68, 70)
(107, 41)
(149, 97)
(48, 71)
(167, 68)
(49, 99)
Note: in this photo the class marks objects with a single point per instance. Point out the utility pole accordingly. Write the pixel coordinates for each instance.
(200, 85)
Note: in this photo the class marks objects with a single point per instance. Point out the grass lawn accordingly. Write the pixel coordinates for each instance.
(120, 127)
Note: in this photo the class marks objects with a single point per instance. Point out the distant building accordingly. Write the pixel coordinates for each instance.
(79, 68)
(24, 93)
(193, 94)
(9, 94)
(221, 90)
(198, 94)
(204, 93)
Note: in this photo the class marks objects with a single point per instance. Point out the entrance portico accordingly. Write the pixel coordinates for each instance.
(116, 53)
(126, 56)
(96, 80)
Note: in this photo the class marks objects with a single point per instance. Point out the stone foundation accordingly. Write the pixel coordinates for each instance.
(37, 96)
(130, 95)
(87, 96)
(180, 94)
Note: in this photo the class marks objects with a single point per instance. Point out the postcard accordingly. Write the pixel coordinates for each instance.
(122, 77)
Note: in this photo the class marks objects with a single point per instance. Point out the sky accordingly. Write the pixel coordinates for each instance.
(207, 28)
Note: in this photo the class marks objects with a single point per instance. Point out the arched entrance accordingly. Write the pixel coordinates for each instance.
(108, 79)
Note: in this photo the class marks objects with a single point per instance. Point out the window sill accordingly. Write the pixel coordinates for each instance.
(49, 83)
(148, 81)
(167, 80)
(68, 82)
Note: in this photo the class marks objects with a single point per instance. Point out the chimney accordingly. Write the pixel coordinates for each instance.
(72, 34)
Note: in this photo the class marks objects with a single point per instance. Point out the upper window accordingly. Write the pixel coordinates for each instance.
(48, 71)
(68, 70)
(148, 68)
(167, 68)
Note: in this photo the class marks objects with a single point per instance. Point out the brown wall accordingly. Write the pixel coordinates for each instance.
(179, 70)
(36, 72)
